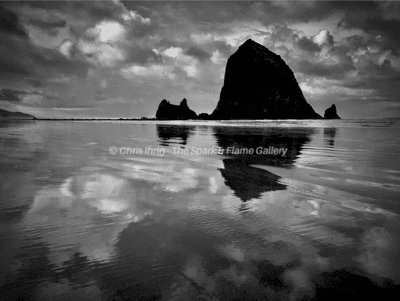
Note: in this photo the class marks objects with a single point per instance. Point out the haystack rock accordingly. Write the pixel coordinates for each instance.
(259, 85)
(330, 113)
(169, 111)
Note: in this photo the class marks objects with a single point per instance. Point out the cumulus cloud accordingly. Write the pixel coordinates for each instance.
(174, 59)
(103, 44)
(323, 38)
(135, 71)
(106, 32)
(66, 47)
(134, 15)
(101, 54)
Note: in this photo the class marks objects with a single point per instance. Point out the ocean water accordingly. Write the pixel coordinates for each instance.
(250, 210)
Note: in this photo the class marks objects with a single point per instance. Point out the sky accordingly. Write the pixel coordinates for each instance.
(109, 59)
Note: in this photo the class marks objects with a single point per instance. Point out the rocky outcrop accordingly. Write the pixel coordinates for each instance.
(204, 116)
(169, 111)
(259, 85)
(330, 113)
(14, 115)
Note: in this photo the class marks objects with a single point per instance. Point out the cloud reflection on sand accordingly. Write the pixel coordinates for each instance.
(73, 216)
(379, 249)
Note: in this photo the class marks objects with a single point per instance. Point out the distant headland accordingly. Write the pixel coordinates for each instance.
(258, 84)
(14, 115)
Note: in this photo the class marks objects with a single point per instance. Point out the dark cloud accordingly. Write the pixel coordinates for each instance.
(323, 70)
(308, 45)
(21, 59)
(48, 62)
(11, 95)
(49, 26)
(223, 47)
(371, 16)
(357, 41)
(78, 15)
(203, 13)
(388, 29)
(9, 23)
(34, 82)
(214, 15)
(97, 10)
(382, 78)
(198, 53)
(8, 69)
(281, 12)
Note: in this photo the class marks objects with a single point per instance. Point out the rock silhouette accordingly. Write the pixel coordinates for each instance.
(249, 182)
(237, 175)
(169, 111)
(259, 84)
(204, 116)
(330, 113)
